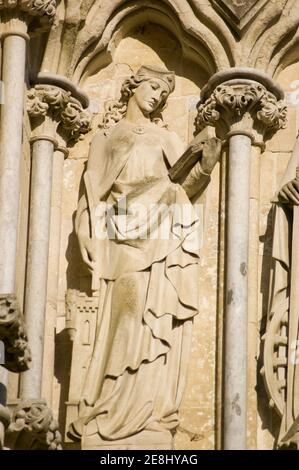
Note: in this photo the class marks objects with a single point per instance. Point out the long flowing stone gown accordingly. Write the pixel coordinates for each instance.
(279, 307)
(148, 289)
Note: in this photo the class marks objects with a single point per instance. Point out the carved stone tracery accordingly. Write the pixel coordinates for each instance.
(13, 335)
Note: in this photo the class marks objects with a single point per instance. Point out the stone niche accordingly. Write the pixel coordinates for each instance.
(146, 44)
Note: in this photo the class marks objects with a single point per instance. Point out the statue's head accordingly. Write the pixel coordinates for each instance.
(149, 87)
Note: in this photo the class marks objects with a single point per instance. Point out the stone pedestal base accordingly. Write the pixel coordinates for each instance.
(145, 440)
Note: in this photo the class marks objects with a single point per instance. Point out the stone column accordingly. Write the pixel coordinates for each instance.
(55, 115)
(58, 119)
(37, 260)
(244, 105)
(19, 20)
(74, 122)
(60, 155)
(11, 124)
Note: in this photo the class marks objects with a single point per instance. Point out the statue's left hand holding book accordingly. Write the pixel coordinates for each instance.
(197, 162)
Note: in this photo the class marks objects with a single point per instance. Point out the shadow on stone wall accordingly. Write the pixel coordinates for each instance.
(63, 360)
(78, 277)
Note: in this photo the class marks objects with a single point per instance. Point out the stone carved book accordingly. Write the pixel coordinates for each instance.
(191, 156)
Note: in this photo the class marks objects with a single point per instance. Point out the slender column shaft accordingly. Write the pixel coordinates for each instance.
(235, 360)
(13, 75)
(13, 56)
(53, 276)
(254, 309)
(55, 233)
(221, 300)
(41, 291)
(37, 264)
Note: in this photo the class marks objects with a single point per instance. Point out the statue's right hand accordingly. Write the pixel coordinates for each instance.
(87, 250)
(86, 243)
(289, 193)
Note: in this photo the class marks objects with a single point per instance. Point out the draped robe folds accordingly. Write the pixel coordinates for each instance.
(280, 288)
(148, 286)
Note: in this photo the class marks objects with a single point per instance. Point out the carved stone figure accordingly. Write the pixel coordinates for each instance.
(282, 339)
(139, 236)
(13, 334)
(33, 427)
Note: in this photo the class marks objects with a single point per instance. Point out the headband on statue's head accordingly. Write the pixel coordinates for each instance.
(154, 71)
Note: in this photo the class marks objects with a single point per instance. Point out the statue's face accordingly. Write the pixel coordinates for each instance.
(150, 93)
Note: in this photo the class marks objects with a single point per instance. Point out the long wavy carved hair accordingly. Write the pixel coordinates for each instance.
(116, 110)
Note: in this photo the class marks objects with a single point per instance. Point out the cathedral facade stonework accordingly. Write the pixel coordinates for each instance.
(149, 193)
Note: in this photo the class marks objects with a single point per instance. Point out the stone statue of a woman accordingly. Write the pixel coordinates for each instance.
(282, 379)
(147, 282)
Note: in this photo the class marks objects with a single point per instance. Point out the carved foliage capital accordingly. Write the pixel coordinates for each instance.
(61, 106)
(13, 335)
(40, 13)
(33, 424)
(231, 103)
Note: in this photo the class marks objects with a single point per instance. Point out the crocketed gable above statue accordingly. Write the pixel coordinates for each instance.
(238, 13)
